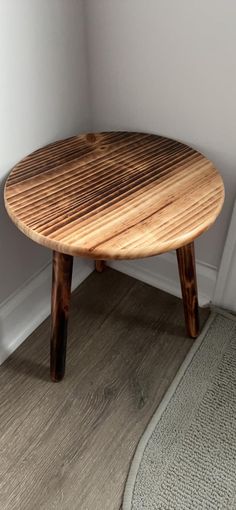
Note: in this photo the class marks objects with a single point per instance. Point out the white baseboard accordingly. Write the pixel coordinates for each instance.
(22, 313)
(162, 272)
(225, 292)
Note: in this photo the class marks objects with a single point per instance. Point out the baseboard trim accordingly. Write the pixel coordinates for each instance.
(162, 272)
(225, 295)
(24, 311)
(29, 306)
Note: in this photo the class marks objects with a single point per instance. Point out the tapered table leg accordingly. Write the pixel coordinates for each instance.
(188, 280)
(61, 290)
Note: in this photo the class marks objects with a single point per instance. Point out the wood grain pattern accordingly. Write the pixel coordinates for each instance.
(61, 290)
(188, 280)
(69, 447)
(115, 195)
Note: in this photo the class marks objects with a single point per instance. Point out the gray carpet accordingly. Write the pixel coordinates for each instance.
(187, 456)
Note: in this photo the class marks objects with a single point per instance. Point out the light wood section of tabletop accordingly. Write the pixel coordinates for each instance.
(114, 195)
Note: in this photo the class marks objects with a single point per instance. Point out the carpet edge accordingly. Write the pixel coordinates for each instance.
(133, 470)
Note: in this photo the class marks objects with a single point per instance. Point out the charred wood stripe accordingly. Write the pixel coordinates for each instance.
(91, 162)
(91, 165)
(32, 163)
(129, 190)
(81, 190)
(163, 229)
(104, 204)
(54, 178)
(134, 199)
(163, 170)
(113, 210)
(182, 222)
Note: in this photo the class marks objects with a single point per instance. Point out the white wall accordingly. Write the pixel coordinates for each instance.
(153, 65)
(168, 67)
(43, 97)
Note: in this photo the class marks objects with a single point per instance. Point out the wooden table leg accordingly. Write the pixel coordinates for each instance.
(61, 290)
(100, 265)
(188, 280)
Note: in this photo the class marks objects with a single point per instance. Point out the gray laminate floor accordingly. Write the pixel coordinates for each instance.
(68, 446)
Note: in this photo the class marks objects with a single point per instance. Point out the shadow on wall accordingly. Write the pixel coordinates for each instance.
(20, 258)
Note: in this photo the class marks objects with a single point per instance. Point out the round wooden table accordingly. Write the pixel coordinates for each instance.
(113, 195)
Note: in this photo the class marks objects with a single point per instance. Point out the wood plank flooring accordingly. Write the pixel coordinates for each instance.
(68, 446)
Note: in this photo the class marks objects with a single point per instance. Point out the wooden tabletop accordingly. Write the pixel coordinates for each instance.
(114, 195)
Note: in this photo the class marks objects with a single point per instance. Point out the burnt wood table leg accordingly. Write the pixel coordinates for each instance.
(188, 280)
(100, 265)
(61, 290)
